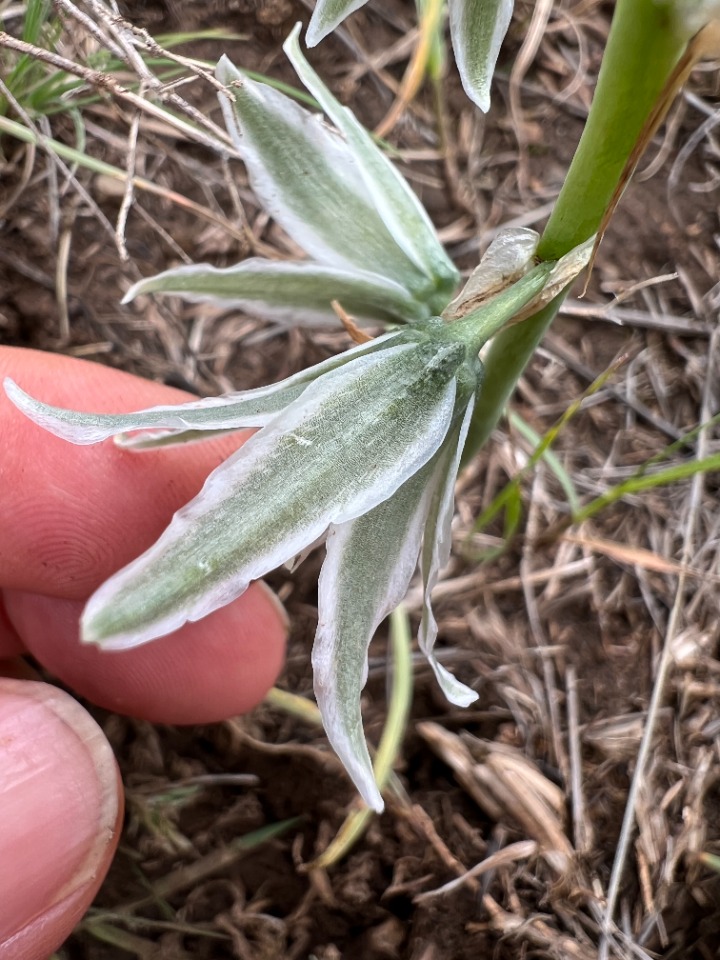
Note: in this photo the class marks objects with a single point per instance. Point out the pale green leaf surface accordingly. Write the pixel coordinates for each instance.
(399, 209)
(370, 562)
(327, 15)
(352, 439)
(289, 291)
(437, 543)
(231, 411)
(478, 28)
(308, 179)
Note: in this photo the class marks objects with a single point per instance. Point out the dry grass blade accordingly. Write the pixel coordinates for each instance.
(415, 73)
(661, 680)
(507, 786)
(537, 932)
(540, 17)
(638, 556)
(109, 84)
(522, 850)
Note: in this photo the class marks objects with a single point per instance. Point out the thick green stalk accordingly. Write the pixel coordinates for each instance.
(643, 47)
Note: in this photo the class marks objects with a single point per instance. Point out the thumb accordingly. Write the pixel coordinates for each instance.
(61, 799)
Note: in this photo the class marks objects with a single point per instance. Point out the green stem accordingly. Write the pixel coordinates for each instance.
(643, 47)
(476, 328)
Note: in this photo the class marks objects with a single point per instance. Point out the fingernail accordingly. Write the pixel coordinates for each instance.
(61, 805)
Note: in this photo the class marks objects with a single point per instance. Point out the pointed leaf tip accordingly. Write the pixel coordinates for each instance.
(341, 448)
(309, 180)
(370, 562)
(437, 543)
(478, 28)
(329, 14)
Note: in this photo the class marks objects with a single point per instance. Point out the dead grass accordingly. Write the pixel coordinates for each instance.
(565, 816)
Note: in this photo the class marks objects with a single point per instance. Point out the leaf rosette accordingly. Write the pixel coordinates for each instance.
(360, 451)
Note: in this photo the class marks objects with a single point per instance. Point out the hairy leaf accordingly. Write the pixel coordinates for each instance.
(353, 438)
(370, 562)
(327, 15)
(400, 210)
(308, 179)
(231, 411)
(298, 292)
(437, 543)
(478, 28)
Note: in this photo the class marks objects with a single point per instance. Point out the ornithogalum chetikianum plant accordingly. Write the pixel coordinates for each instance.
(361, 450)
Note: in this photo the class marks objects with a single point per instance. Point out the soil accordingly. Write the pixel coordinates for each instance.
(561, 633)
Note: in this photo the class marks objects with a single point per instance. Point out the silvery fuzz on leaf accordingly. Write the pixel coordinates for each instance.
(361, 450)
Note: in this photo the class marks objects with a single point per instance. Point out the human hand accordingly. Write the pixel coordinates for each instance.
(69, 517)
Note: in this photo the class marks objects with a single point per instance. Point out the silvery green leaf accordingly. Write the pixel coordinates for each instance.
(437, 543)
(399, 209)
(308, 179)
(478, 28)
(370, 562)
(327, 15)
(232, 411)
(348, 443)
(298, 292)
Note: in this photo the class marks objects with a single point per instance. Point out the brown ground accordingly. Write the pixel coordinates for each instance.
(563, 638)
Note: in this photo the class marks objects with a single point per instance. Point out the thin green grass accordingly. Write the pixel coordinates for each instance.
(647, 476)
(509, 499)
(643, 480)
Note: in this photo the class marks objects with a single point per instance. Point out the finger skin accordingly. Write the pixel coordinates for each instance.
(62, 809)
(10, 643)
(217, 668)
(71, 516)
